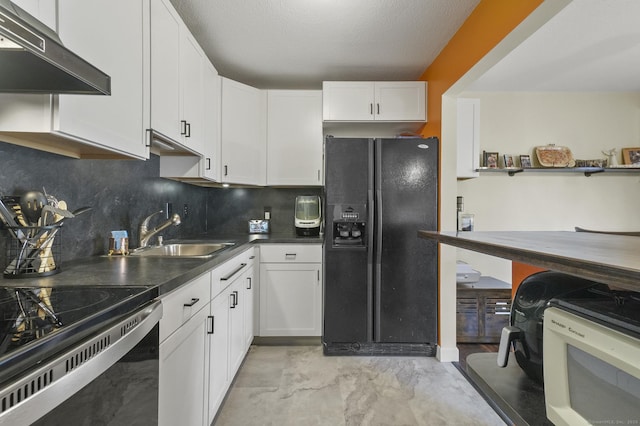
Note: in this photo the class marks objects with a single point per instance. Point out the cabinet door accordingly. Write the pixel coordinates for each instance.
(248, 308)
(182, 383)
(236, 300)
(243, 137)
(165, 69)
(192, 91)
(294, 137)
(219, 378)
(290, 299)
(115, 121)
(468, 137)
(43, 10)
(211, 146)
(400, 101)
(347, 101)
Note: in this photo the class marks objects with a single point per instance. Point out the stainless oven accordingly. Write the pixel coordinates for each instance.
(80, 356)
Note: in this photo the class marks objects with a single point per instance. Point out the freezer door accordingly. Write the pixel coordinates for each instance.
(348, 272)
(405, 283)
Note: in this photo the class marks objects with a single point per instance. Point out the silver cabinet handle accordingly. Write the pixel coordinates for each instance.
(235, 271)
(378, 108)
(290, 256)
(249, 285)
(371, 109)
(183, 127)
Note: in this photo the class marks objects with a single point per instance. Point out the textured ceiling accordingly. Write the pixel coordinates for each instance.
(590, 45)
(296, 44)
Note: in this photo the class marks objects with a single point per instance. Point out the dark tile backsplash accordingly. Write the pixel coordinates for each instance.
(123, 192)
(229, 209)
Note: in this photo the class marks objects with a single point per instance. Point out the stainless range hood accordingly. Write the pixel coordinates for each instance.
(33, 59)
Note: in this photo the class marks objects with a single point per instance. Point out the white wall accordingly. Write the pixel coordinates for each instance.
(587, 123)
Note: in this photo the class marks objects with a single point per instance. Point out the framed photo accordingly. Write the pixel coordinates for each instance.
(509, 161)
(631, 156)
(491, 160)
(525, 161)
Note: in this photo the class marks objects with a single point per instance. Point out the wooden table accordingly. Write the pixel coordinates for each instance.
(609, 259)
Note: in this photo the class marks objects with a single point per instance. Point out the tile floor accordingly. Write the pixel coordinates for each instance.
(297, 385)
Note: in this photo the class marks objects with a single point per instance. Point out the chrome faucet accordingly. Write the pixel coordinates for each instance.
(146, 234)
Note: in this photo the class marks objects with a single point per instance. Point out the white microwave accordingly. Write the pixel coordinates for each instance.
(591, 372)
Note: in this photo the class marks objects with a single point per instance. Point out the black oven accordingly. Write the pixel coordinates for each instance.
(78, 355)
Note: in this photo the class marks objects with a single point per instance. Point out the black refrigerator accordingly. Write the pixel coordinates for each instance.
(380, 279)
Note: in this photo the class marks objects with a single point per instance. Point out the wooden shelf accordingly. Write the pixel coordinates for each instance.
(588, 171)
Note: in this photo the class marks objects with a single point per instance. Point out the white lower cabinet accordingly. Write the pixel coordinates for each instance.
(183, 339)
(291, 290)
(218, 355)
(249, 304)
(230, 324)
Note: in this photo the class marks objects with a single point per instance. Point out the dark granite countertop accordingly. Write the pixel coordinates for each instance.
(160, 273)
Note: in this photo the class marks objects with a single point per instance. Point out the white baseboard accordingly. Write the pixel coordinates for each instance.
(447, 354)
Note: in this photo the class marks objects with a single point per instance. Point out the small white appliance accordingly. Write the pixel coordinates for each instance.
(308, 215)
(591, 371)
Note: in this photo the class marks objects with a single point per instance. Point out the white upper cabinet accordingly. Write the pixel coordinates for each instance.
(165, 69)
(347, 101)
(294, 137)
(89, 126)
(116, 120)
(176, 77)
(43, 10)
(192, 67)
(468, 137)
(374, 101)
(243, 137)
(210, 163)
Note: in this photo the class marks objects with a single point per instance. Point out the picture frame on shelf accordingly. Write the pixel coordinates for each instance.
(631, 156)
(491, 159)
(525, 161)
(509, 161)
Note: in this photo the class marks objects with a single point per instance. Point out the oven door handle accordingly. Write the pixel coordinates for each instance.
(66, 374)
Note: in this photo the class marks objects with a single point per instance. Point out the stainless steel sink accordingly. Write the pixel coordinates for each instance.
(185, 249)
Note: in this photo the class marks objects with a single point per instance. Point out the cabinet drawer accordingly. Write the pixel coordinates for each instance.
(291, 253)
(183, 303)
(228, 272)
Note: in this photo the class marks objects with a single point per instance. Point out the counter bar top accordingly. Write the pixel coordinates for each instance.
(606, 258)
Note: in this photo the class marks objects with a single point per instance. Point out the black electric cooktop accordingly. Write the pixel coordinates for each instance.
(37, 323)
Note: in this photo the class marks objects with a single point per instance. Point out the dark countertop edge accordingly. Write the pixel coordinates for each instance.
(608, 274)
(179, 271)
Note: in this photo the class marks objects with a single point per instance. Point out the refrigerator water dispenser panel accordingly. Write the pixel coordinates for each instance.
(349, 226)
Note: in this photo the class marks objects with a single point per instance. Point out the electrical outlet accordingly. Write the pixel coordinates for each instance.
(185, 211)
(267, 212)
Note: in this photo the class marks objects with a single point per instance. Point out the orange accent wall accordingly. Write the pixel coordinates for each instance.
(520, 271)
(487, 25)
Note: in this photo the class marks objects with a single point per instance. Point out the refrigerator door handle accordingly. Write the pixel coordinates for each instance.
(377, 283)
